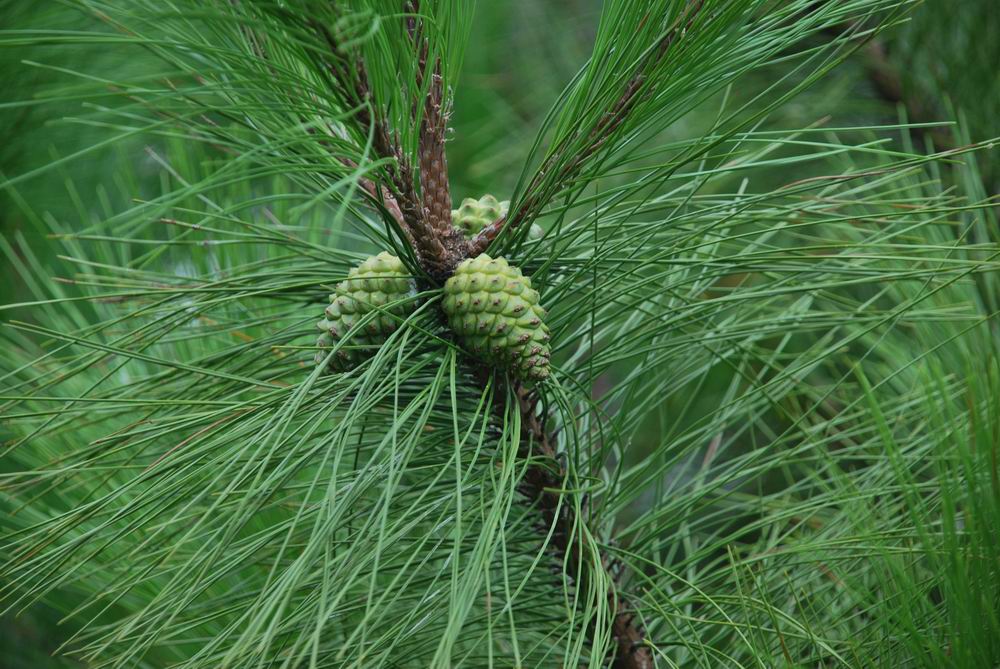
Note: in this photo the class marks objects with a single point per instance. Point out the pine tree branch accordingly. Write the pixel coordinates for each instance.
(542, 484)
(377, 194)
(440, 247)
(541, 189)
(349, 74)
(434, 181)
(381, 195)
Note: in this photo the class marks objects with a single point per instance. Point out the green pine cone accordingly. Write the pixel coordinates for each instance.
(474, 215)
(374, 285)
(495, 312)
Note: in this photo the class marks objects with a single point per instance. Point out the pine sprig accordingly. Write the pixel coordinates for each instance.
(739, 457)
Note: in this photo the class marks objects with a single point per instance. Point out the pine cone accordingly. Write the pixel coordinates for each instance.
(474, 215)
(495, 312)
(380, 283)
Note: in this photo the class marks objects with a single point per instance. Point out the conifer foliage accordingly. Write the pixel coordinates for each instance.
(658, 407)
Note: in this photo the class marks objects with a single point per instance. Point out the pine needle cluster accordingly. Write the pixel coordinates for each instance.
(768, 431)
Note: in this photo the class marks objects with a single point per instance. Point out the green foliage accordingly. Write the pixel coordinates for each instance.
(947, 64)
(773, 380)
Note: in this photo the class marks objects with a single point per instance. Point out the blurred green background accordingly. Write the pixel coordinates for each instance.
(940, 64)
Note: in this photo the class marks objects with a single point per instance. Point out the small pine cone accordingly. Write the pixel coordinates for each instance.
(380, 283)
(474, 215)
(495, 312)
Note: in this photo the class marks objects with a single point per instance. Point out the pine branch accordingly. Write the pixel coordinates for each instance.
(544, 478)
(382, 195)
(348, 72)
(440, 246)
(539, 191)
(542, 484)
(378, 194)
(434, 181)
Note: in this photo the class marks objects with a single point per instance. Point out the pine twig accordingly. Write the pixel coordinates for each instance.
(377, 193)
(350, 75)
(542, 484)
(633, 92)
(382, 195)
(434, 182)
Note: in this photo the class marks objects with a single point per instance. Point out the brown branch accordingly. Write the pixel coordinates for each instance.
(634, 91)
(426, 221)
(543, 483)
(379, 194)
(434, 182)
(482, 241)
(424, 216)
(349, 73)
